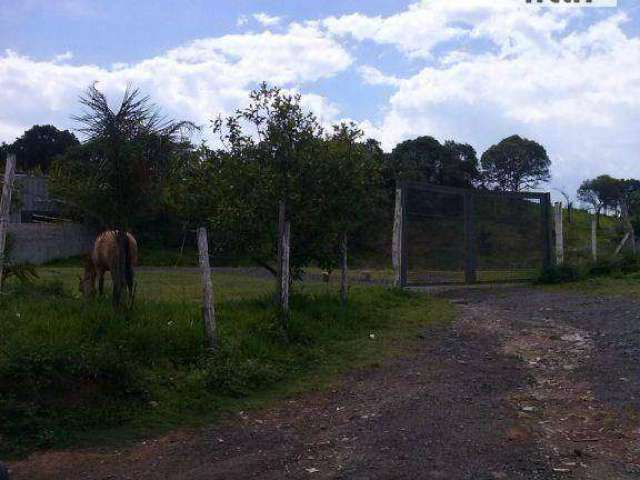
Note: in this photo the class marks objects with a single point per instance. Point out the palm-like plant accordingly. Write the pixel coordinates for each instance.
(117, 175)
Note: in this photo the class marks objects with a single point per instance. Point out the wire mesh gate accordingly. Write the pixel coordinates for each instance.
(451, 235)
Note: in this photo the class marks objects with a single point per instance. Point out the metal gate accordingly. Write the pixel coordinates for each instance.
(448, 235)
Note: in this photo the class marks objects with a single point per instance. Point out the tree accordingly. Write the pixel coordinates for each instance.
(271, 145)
(37, 147)
(602, 193)
(516, 164)
(119, 171)
(425, 159)
(351, 194)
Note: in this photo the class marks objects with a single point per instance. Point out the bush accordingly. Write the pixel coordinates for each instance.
(601, 268)
(231, 374)
(616, 267)
(560, 274)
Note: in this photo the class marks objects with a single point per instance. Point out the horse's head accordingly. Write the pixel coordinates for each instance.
(87, 284)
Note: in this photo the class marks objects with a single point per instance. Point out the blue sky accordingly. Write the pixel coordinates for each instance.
(471, 70)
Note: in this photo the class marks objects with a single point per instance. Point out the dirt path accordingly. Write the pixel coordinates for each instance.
(525, 385)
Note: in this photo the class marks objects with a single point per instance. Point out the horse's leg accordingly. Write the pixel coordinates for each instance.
(101, 281)
(130, 281)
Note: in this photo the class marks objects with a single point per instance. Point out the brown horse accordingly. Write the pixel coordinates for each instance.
(105, 258)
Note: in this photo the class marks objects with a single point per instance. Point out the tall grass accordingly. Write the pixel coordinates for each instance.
(71, 371)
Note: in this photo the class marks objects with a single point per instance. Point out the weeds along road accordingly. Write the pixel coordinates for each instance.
(526, 384)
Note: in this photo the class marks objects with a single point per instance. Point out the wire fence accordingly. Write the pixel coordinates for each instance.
(453, 235)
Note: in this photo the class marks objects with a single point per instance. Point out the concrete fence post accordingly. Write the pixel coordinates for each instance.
(398, 255)
(284, 250)
(594, 238)
(559, 234)
(5, 207)
(208, 312)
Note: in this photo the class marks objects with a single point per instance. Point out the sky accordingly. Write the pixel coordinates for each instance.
(474, 71)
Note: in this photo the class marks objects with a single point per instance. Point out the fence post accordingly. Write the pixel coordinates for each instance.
(398, 249)
(470, 274)
(594, 238)
(343, 273)
(5, 207)
(208, 312)
(284, 237)
(559, 234)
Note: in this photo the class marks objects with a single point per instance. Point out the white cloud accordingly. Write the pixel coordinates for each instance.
(266, 20)
(373, 76)
(424, 26)
(575, 91)
(196, 81)
(62, 57)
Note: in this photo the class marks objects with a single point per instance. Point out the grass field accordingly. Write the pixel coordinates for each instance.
(73, 373)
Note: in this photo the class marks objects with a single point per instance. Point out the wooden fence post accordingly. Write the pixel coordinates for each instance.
(284, 238)
(559, 234)
(344, 267)
(594, 238)
(398, 253)
(5, 207)
(208, 311)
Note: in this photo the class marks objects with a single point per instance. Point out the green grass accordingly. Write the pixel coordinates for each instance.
(168, 284)
(73, 373)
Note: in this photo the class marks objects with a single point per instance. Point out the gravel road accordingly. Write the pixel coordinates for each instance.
(526, 384)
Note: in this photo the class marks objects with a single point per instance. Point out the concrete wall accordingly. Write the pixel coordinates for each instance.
(41, 242)
(31, 193)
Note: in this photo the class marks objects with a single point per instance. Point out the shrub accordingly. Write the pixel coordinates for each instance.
(560, 274)
(615, 267)
(231, 374)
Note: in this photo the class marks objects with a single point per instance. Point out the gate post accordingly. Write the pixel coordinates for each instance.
(545, 209)
(470, 275)
(559, 234)
(398, 249)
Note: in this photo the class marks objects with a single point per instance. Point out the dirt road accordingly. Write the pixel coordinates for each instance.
(525, 385)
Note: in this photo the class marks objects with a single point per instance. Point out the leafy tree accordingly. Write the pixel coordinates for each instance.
(516, 164)
(37, 147)
(350, 193)
(271, 148)
(602, 193)
(276, 152)
(426, 159)
(119, 172)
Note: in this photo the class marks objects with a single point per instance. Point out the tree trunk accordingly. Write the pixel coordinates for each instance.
(5, 207)
(343, 274)
(208, 311)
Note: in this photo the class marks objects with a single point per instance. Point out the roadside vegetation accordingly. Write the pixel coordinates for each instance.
(80, 370)
(73, 372)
